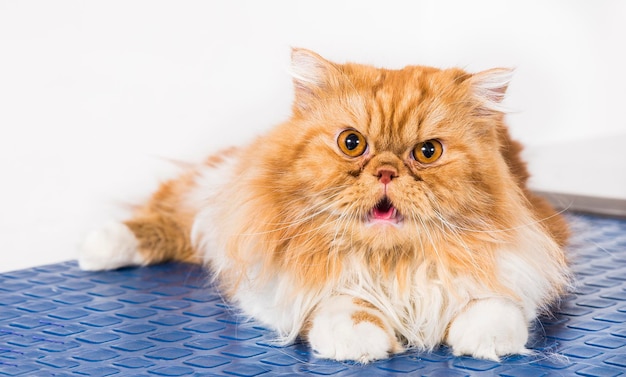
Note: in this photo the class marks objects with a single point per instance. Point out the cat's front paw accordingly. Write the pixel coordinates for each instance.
(345, 329)
(488, 329)
(111, 247)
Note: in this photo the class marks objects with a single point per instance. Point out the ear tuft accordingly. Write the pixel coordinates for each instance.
(490, 86)
(310, 74)
(307, 67)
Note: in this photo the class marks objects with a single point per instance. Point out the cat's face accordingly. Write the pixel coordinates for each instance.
(389, 158)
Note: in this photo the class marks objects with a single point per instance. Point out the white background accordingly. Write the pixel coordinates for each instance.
(97, 96)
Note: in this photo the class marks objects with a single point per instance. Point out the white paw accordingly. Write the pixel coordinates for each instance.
(341, 331)
(488, 329)
(111, 247)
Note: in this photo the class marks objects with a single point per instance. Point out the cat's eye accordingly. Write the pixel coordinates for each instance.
(428, 151)
(351, 143)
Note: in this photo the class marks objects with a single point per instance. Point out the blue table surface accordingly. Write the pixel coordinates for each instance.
(165, 320)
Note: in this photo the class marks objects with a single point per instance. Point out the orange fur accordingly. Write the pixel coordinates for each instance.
(364, 316)
(163, 224)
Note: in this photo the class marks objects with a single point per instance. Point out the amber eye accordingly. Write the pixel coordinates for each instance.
(352, 143)
(428, 152)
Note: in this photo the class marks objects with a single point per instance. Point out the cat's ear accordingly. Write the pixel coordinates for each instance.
(311, 74)
(489, 87)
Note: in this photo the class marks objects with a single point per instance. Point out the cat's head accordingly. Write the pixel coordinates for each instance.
(390, 159)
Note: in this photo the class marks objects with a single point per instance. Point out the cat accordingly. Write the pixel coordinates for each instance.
(389, 212)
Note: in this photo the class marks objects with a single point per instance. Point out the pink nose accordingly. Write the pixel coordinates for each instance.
(386, 175)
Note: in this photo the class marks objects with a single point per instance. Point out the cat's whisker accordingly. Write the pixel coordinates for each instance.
(454, 231)
(419, 237)
(486, 227)
(320, 208)
(432, 242)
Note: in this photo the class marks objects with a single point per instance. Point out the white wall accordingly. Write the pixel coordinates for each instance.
(96, 96)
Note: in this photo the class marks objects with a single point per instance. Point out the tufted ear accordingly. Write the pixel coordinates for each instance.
(311, 74)
(490, 86)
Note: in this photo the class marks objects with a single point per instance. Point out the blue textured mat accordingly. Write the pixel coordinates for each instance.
(163, 321)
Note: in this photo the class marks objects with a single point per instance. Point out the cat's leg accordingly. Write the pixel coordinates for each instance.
(142, 240)
(489, 328)
(159, 231)
(345, 328)
(113, 246)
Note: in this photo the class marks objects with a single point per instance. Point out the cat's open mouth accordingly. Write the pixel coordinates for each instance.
(384, 211)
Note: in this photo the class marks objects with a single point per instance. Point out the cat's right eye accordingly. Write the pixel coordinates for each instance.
(351, 143)
(428, 151)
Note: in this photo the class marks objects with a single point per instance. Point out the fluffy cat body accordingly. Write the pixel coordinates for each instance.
(358, 243)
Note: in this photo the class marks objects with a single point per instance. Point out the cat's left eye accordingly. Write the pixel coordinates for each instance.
(428, 152)
(352, 143)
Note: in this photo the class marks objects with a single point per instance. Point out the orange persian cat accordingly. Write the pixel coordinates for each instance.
(389, 212)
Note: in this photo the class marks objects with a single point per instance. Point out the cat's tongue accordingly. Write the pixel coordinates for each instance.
(384, 210)
(384, 215)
